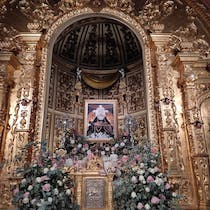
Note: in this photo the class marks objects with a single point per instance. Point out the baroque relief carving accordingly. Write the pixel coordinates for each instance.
(104, 11)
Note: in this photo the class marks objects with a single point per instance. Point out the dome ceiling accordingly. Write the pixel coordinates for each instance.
(98, 43)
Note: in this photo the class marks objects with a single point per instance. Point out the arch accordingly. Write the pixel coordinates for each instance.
(50, 38)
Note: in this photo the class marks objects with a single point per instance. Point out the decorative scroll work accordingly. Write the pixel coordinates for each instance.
(65, 90)
(94, 193)
(136, 92)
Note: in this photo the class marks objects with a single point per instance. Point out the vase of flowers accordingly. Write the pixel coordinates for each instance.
(44, 185)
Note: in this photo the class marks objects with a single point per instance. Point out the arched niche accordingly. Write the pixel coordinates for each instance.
(50, 38)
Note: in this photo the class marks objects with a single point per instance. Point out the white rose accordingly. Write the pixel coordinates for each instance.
(52, 168)
(68, 192)
(135, 168)
(147, 189)
(102, 153)
(50, 200)
(79, 145)
(89, 152)
(56, 191)
(39, 204)
(59, 183)
(25, 200)
(133, 195)
(33, 201)
(141, 178)
(116, 145)
(151, 170)
(23, 181)
(147, 206)
(114, 157)
(174, 194)
(158, 181)
(72, 141)
(107, 149)
(69, 162)
(122, 144)
(30, 187)
(38, 179)
(140, 171)
(142, 165)
(45, 170)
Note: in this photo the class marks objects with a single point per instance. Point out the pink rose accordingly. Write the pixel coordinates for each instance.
(26, 194)
(16, 190)
(126, 133)
(167, 186)
(55, 165)
(140, 206)
(124, 158)
(153, 150)
(134, 179)
(43, 178)
(150, 179)
(162, 197)
(155, 200)
(90, 155)
(86, 146)
(138, 157)
(132, 162)
(46, 187)
(39, 163)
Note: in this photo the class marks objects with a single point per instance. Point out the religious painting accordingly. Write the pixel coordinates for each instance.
(100, 120)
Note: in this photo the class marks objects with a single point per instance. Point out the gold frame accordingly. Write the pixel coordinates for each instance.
(111, 107)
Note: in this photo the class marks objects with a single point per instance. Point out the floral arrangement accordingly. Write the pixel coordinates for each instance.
(44, 185)
(138, 183)
(141, 184)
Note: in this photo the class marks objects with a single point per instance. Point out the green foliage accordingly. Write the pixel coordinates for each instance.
(44, 184)
(141, 184)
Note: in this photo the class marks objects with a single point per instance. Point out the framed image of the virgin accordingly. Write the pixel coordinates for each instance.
(100, 120)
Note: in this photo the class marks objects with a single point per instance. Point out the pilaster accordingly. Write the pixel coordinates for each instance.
(192, 77)
(169, 105)
(22, 111)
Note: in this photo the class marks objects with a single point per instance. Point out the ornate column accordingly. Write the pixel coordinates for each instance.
(192, 78)
(169, 108)
(23, 111)
(8, 64)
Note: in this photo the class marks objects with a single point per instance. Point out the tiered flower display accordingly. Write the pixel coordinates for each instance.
(138, 183)
(44, 185)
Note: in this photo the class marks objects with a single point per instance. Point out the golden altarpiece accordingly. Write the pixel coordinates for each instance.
(151, 56)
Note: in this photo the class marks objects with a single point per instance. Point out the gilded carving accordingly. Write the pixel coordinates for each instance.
(127, 19)
(124, 5)
(183, 39)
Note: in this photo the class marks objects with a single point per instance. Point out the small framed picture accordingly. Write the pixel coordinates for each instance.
(100, 120)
